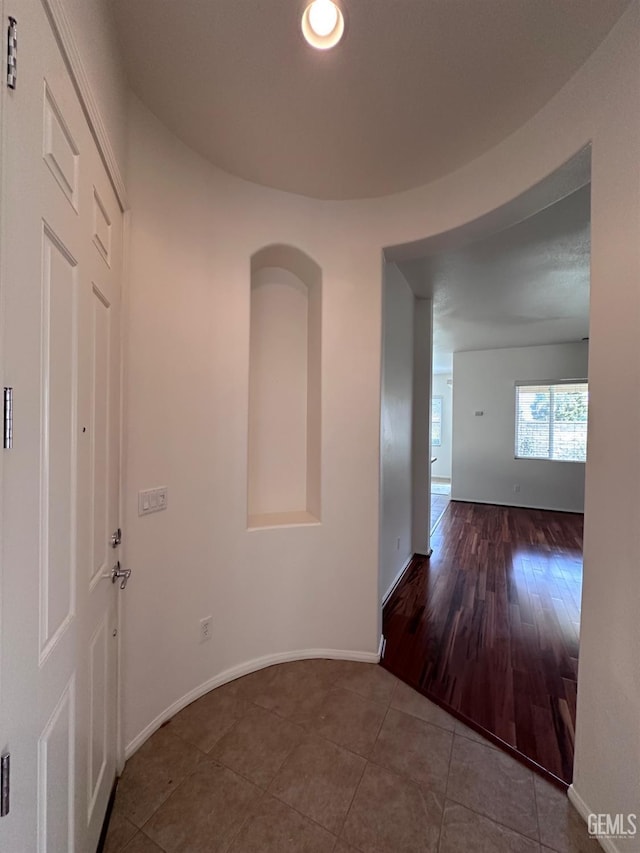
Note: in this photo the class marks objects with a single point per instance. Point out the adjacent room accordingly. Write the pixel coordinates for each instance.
(488, 626)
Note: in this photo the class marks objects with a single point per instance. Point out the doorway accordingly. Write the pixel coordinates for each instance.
(485, 543)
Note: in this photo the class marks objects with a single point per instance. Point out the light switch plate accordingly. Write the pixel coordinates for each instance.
(152, 500)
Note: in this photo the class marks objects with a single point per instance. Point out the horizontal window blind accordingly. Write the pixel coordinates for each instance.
(551, 420)
(436, 421)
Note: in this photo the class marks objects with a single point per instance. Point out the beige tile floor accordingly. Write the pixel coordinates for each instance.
(331, 757)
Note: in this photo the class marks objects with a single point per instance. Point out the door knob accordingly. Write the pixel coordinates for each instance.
(118, 573)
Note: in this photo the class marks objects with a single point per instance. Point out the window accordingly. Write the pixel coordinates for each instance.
(436, 421)
(551, 421)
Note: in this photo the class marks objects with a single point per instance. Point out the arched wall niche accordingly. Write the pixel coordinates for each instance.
(284, 445)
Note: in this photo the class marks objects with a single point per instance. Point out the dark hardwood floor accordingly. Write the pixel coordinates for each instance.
(489, 627)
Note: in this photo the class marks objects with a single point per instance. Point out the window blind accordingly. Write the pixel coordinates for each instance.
(551, 420)
(436, 421)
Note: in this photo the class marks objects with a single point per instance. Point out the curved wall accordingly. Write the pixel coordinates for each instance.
(300, 590)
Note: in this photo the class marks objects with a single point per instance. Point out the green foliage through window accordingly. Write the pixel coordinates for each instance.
(551, 421)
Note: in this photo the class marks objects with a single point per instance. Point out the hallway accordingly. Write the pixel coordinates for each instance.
(232, 265)
(489, 626)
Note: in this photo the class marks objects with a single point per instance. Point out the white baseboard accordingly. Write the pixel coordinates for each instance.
(237, 672)
(396, 580)
(584, 811)
(381, 646)
(518, 505)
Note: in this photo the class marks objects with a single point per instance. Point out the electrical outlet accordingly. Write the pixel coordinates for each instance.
(205, 628)
(516, 487)
(398, 544)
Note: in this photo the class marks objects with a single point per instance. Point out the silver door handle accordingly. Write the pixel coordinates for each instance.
(122, 574)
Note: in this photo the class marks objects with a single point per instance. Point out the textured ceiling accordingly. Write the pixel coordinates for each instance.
(415, 89)
(525, 286)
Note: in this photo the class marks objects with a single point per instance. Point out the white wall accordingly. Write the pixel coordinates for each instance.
(277, 591)
(278, 393)
(442, 466)
(484, 467)
(421, 449)
(396, 480)
(194, 230)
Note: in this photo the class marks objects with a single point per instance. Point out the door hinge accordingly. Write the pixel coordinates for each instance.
(7, 441)
(12, 53)
(5, 770)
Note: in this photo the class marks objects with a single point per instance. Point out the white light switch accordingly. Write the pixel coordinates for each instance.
(152, 500)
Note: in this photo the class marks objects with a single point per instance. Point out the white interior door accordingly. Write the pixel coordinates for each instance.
(61, 268)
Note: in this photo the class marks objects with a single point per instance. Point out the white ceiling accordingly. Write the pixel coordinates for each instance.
(415, 89)
(525, 286)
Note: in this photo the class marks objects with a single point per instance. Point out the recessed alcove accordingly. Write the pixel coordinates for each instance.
(284, 389)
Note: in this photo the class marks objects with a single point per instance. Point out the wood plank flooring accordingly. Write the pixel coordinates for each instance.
(489, 627)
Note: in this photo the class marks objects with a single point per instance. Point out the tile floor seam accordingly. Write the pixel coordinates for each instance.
(209, 752)
(293, 808)
(493, 820)
(290, 719)
(302, 814)
(246, 778)
(360, 696)
(342, 746)
(308, 817)
(243, 823)
(338, 746)
(166, 800)
(446, 791)
(535, 802)
(159, 846)
(173, 734)
(375, 740)
(484, 742)
(422, 720)
(359, 754)
(351, 801)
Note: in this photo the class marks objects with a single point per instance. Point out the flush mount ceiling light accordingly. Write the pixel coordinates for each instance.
(322, 24)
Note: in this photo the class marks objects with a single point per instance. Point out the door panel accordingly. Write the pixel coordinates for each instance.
(56, 777)
(101, 228)
(100, 340)
(59, 150)
(98, 739)
(57, 480)
(61, 241)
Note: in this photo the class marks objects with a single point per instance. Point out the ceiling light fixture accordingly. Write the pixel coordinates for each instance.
(322, 24)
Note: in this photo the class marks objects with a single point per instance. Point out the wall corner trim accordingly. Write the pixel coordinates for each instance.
(397, 579)
(237, 672)
(64, 34)
(584, 811)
